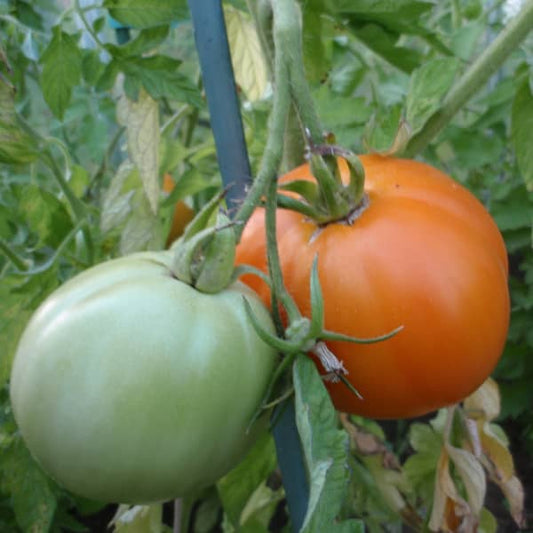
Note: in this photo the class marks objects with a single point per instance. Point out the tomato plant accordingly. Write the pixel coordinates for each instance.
(423, 255)
(131, 386)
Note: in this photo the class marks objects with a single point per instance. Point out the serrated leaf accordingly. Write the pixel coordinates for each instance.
(146, 13)
(236, 488)
(521, 128)
(325, 450)
(138, 519)
(44, 213)
(429, 84)
(32, 495)
(146, 41)
(160, 77)
(61, 70)
(141, 119)
(249, 65)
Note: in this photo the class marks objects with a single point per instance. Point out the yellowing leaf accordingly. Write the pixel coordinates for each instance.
(472, 476)
(450, 511)
(141, 119)
(138, 519)
(484, 402)
(514, 493)
(497, 453)
(249, 65)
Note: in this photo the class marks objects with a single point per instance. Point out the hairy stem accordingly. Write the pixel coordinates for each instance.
(475, 77)
(288, 21)
(274, 145)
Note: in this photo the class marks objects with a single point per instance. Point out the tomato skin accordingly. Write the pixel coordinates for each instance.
(130, 386)
(425, 255)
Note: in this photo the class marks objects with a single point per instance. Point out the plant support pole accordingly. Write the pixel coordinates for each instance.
(217, 74)
(219, 83)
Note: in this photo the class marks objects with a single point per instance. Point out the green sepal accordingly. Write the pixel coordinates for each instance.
(204, 255)
(328, 186)
(277, 343)
(286, 202)
(306, 189)
(332, 336)
(241, 270)
(317, 302)
(215, 269)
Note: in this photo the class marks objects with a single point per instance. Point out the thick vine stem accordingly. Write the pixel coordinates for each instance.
(477, 75)
(290, 81)
(288, 24)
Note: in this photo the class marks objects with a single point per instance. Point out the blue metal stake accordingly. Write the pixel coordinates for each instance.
(217, 73)
(219, 83)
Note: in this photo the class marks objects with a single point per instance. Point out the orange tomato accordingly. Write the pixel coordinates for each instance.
(424, 255)
(183, 214)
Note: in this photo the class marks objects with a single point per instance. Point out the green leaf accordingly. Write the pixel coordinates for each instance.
(192, 181)
(521, 128)
(91, 66)
(146, 41)
(420, 468)
(32, 494)
(236, 488)
(13, 319)
(316, 36)
(382, 129)
(465, 39)
(249, 65)
(325, 449)
(429, 84)
(45, 215)
(385, 10)
(61, 70)
(147, 13)
(159, 76)
(18, 298)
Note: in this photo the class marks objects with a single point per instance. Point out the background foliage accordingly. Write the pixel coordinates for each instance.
(91, 117)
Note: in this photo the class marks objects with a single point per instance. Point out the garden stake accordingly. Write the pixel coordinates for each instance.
(217, 73)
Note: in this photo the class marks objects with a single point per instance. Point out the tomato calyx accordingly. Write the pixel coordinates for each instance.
(328, 199)
(204, 256)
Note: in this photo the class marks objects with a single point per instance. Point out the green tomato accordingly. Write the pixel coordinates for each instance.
(130, 386)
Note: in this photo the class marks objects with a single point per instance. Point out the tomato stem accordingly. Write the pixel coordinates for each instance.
(274, 266)
(475, 76)
(274, 145)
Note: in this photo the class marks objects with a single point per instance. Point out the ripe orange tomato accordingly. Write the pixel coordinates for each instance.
(183, 214)
(425, 255)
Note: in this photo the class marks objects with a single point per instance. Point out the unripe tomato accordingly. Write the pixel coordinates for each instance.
(424, 255)
(130, 386)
